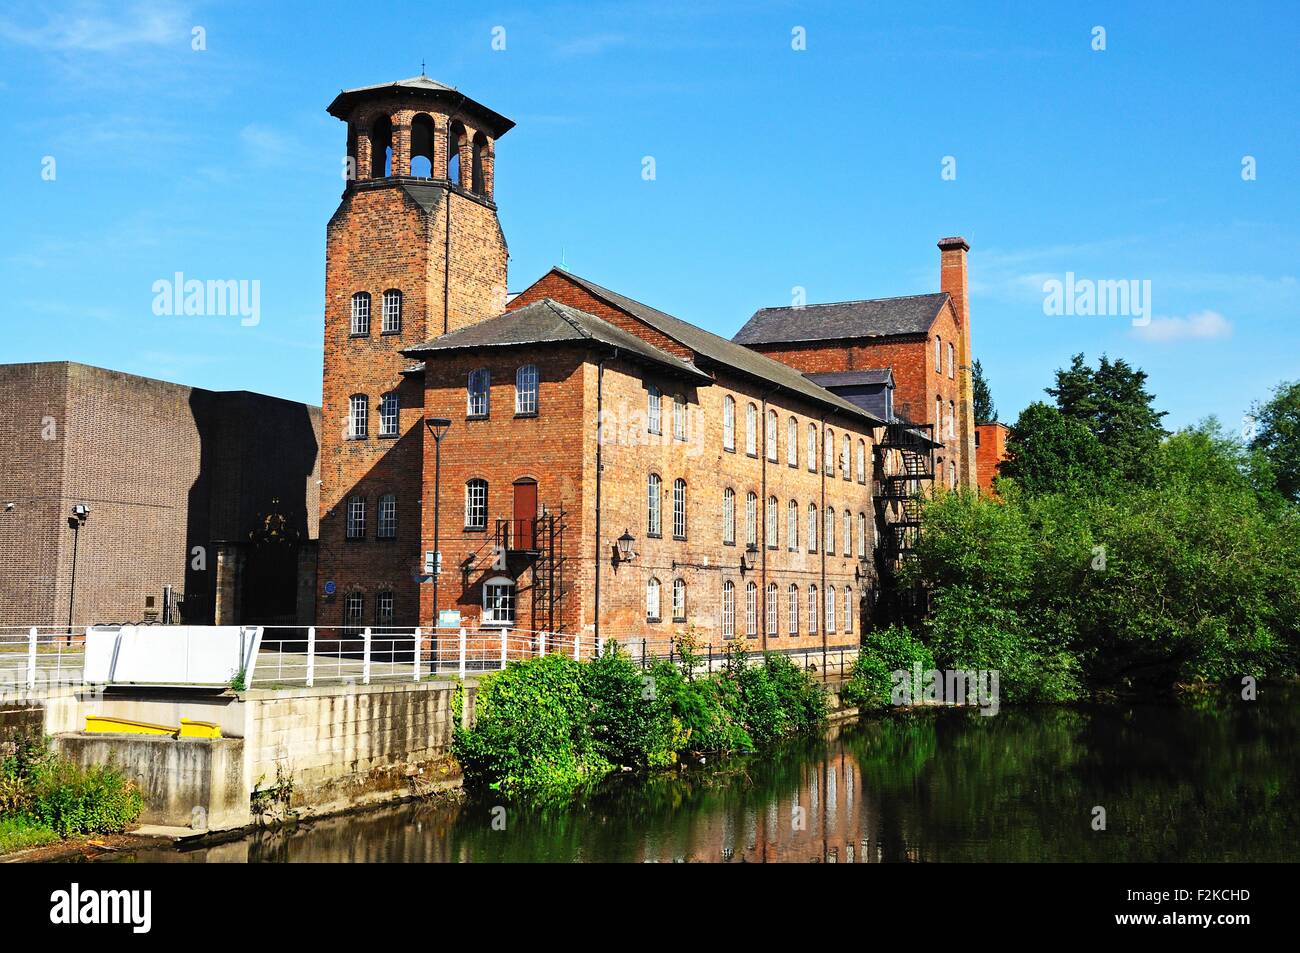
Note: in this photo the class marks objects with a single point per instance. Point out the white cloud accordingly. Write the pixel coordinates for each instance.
(90, 27)
(1204, 325)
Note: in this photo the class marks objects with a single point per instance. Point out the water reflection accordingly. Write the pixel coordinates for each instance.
(1211, 782)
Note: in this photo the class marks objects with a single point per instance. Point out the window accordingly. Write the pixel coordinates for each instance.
(652, 600)
(751, 609)
(848, 610)
(679, 418)
(728, 610)
(848, 533)
(751, 519)
(751, 430)
(384, 609)
(480, 384)
(952, 475)
(679, 600)
(729, 515)
(388, 516)
(476, 504)
(792, 443)
(361, 313)
(654, 410)
(830, 609)
(526, 390)
(392, 323)
(938, 354)
(356, 517)
(828, 454)
(938, 415)
(792, 526)
(770, 529)
(862, 461)
(830, 530)
(812, 527)
(653, 492)
(354, 611)
(952, 419)
(845, 459)
(812, 610)
(812, 447)
(388, 414)
(771, 435)
(499, 601)
(952, 361)
(358, 416)
(772, 611)
(862, 535)
(792, 609)
(728, 423)
(679, 509)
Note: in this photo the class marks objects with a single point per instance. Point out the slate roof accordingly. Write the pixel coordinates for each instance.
(550, 322)
(720, 351)
(883, 375)
(877, 317)
(421, 86)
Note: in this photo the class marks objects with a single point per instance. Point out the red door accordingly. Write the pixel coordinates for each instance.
(525, 516)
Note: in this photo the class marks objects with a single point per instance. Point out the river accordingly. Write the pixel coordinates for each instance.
(1209, 781)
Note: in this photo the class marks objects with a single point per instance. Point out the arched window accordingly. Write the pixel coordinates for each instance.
(679, 600)
(728, 423)
(862, 461)
(812, 527)
(938, 354)
(381, 147)
(792, 526)
(862, 535)
(848, 533)
(356, 519)
(792, 609)
(938, 416)
(526, 390)
(388, 414)
(792, 442)
(830, 609)
(952, 475)
(388, 516)
(477, 178)
(772, 610)
(728, 610)
(360, 314)
(499, 601)
(845, 459)
(654, 410)
(358, 416)
(751, 518)
(679, 509)
(476, 492)
(952, 419)
(771, 435)
(480, 386)
(679, 417)
(770, 529)
(751, 430)
(653, 496)
(849, 610)
(392, 322)
(729, 515)
(952, 361)
(812, 447)
(828, 453)
(652, 600)
(829, 535)
(384, 609)
(422, 146)
(354, 611)
(455, 162)
(812, 610)
(751, 609)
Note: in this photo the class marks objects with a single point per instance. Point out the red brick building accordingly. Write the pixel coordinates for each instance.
(608, 469)
(990, 451)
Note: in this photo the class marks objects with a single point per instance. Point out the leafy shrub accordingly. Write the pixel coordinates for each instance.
(38, 787)
(870, 683)
(630, 724)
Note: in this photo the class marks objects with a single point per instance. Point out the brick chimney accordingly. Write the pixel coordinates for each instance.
(952, 279)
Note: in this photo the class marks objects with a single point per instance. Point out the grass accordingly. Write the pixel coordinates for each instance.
(20, 833)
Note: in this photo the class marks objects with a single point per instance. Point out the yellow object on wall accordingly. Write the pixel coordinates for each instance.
(199, 729)
(102, 724)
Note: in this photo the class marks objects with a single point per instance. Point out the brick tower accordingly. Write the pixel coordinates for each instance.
(414, 250)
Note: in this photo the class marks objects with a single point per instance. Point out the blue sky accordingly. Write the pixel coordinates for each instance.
(775, 168)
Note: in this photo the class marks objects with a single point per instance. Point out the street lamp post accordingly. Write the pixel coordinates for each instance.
(80, 512)
(438, 427)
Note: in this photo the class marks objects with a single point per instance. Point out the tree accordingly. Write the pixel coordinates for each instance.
(1277, 437)
(985, 412)
(1048, 452)
(1114, 404)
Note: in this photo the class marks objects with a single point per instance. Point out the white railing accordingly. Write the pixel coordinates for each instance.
(39, 658)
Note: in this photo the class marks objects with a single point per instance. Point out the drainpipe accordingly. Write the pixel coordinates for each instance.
(762, 586)
(821, 553)
(600, 406)
(446, 269)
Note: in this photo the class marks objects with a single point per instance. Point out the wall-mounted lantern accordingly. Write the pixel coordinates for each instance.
(624, 549)
(749, 558)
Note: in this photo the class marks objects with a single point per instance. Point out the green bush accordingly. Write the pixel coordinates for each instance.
(40, 789)
(630, 723)
(870, 683)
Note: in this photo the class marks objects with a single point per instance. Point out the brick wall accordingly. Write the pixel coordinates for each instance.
(990, 453)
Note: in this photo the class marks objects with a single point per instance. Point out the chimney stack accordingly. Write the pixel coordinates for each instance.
(952, 279)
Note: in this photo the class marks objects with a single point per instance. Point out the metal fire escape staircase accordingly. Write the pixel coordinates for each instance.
(897, 499)
(536, 547)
